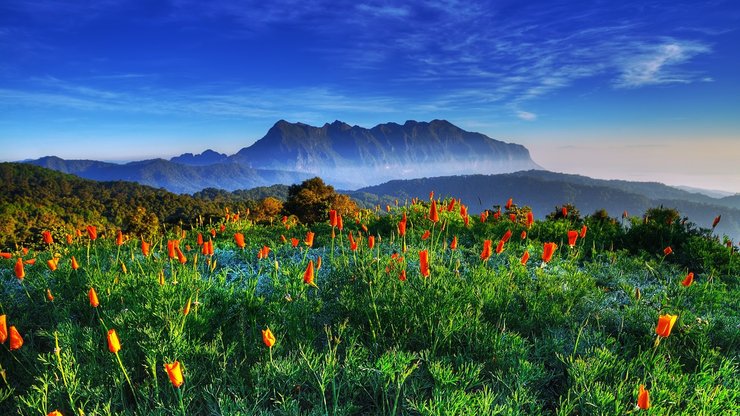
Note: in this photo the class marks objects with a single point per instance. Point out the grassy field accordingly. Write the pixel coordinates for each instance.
(388, 324)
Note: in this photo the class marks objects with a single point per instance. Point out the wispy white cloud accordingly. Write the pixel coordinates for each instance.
(526, 115)
(660, 64)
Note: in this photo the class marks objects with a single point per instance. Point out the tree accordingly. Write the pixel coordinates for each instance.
(267, 209)
(311, 200)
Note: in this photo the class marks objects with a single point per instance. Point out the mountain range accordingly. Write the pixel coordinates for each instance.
(345, 156)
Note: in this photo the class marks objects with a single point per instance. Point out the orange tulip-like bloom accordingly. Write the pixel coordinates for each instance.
(665, 324)
(426, 235)
(352, 242)
(506, 236)
(309, 238)
(171, 248)
(174, 372)
(222, 228)
(92, 232)
(402, 275)
(370, 242)
(55, 413)
(3, 328)
(46, 236)
(668, 250)
(199, 239)
(530, 219)
(119, 238)
(523, 235)
(16, 340)
(239, 239)
(509, 203)
(433, 214)
(180, 255)
(30, 262)
(451, 205)
(512, 217)
(114, 345)
(20, 272)
(318, 263)
(548, 250)
(294, 242)
(268, 338)
(688, 280)
(453, 244)
(49, 296)
(716, 221)
(500, 246)
(93, 296)
(643, 398)
(75, 266)
(572, 237)
(483, 216)
(466, 220)
(402, 227)
(70, 239)
(525, 258)
(486, 253)
(52, 264)
(424, 263)
(564, 211)
(145, 248)
(6, 255)
(463, 211)
(583, 231)
(308, 275)
(333, 218)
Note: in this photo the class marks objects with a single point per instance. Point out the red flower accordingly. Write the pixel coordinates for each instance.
(239, 238)
(180, 255)
(506, 236)
(426, 235)
(20, 272)
(371, 242)
(333, 218)
(509, 203)
(433, 214)
(583, 231)
(525, 258)
(500, 246)
(512, 217)
(463, 211)
(3, 328)
(352, 242)
(119, 238)
(309, 239)
(294, 242)
(523, 235)
(308, 275)
(548, 250)
(16, 340)
(572, 236)
(716, 221)
(530, 219)
(424, 263)
(402, 227)
(145, 248)
(688, 280)
(643, 398)
(199, 239)
(92, 232)
(668, 250)
(486, 253)
(46, 236)
(564, 211)
(453, 244)
(402, 276)
(451, 205)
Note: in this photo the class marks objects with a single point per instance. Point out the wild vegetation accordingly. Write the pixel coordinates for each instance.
(417, 308)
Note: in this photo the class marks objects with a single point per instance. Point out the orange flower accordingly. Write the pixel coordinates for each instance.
(433, 214)
(171, 248)
(268, 338)
(309, 238)
(525, 258)
(92, 232)
(114, 345)
(512, 217)
(70, 239)
(333, 218)
(506, 237)
(523, 235)
(308, 275)
(264, 251)
(453, 244)
(180, 255)
(30, 262)
(352, 242)
(49, 296)
(426, 235)
(716, 221)
(583, 231)
(688, 280)
(199, 239)
(93, 296)
(500, 246)
(548, 250)
(46, 236)
(564, 211)
(145, 248)
(402, 226)
(20, 272)
(509, 203)
(3, 328)
(668, 250)
(451, 205)
(370, 242)
(643, 398)
(318, 263)
(294, 242)
(625, 214)
(572, 236)
(402, 276)
(239, 238)
(340, 224)
(486, 253)
(55, 413)
(424, 263)
(463, 211)
(52, 263)
(174, 372)
(16, 340)
(75, 266)
(119, 238)
(665, 324)
(5, 255)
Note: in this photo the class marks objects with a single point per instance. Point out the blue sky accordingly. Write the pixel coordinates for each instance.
(643, 90)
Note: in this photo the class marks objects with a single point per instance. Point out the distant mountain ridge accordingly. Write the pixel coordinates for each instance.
(543, 191)
(345, 156)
